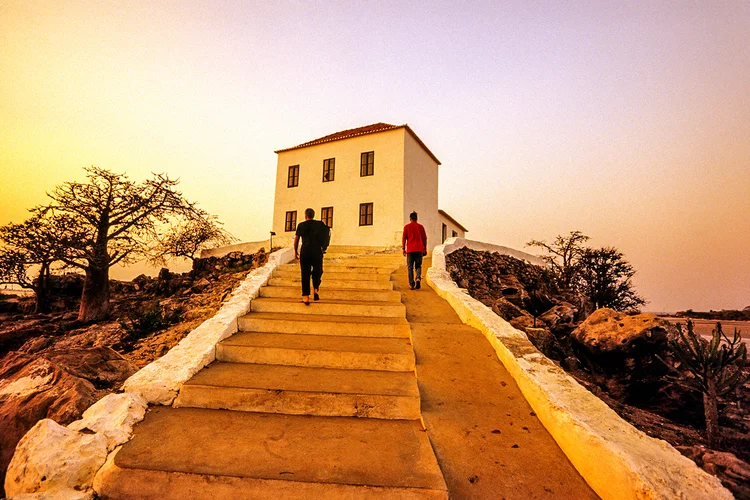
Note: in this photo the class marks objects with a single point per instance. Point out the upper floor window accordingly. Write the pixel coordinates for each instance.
(445, 233)
(365, 214)
(293, 178)
(290, 224)
(326, 215)
(329, 168)
(367, 164)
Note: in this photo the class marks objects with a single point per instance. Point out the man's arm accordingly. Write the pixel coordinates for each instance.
(403, 240)
(424, 239)
(296, 245)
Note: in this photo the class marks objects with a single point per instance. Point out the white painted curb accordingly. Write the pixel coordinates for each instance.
(108, 423)
(617, 460)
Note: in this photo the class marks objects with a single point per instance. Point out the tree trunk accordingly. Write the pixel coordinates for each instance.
(95, 298)
(41, 290)
(711, 412)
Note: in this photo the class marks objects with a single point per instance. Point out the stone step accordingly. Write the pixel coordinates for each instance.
(333, 284)
(335, 267)
(252, 455)
(321, 351)
(329, 307)
(334, 276)
(327, 293)
(313, 324)
(297, 390)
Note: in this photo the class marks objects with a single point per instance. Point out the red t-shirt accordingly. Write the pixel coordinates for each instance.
(414, 238)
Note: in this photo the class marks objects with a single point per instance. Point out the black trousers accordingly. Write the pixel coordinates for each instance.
(311, 265)
(414, 266)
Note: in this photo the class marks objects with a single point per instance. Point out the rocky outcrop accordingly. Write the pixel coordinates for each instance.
(57, 385)
(625, 354)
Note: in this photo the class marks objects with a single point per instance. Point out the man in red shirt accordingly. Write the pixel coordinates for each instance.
(414, 245)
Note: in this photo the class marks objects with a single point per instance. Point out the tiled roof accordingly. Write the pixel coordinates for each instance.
(355, 132)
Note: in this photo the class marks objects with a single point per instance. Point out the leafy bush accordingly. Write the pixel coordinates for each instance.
(148, 319)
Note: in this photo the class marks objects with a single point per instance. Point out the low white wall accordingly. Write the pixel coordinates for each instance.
(60, 462)
(617, 460)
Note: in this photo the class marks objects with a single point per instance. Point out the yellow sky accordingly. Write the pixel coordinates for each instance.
(629, 122)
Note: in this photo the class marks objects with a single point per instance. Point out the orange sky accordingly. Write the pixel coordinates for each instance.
(627, 121)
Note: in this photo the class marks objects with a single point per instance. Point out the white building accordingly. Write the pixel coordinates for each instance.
(364, 183)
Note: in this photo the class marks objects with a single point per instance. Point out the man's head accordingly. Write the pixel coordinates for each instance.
(309, 214)
(413, 216)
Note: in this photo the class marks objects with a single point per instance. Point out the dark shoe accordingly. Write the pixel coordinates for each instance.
(418, 285)
(306, 302)
(411, 286)
(316, 296)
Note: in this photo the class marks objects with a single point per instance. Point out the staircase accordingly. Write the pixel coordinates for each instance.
(316, 401)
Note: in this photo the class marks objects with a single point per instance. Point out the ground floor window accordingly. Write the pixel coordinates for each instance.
(365, 214)
(326, 215)
(445, 233)
(290, 224)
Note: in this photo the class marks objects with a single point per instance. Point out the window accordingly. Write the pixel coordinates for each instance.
(293, 179)
(365, 214)
(326, 215)
(445, 233)
(329, 167)
(291, 221)
(454, 234)
(367, 164)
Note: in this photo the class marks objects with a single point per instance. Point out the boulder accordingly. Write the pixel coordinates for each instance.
(113, 416)
(506, 310)
(560, 318)
(51, 457)
(624, 353)
(525, 321)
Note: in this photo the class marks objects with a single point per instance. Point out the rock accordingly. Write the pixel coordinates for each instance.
(525, 321)
(733, 472)
(102, 366)
(113, 416)
(51, 457)
(623, 353)
(543, 340)
(58, 385)
(36, 344)
(570, 364)
(506, 310)
(58, 494)
(200, 285)
(560, 318)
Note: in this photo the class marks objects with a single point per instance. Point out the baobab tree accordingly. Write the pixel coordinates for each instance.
(113, 220)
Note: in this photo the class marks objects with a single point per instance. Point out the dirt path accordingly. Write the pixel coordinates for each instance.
(487, 439)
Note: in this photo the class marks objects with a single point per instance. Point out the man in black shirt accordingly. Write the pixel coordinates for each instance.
(315, 236)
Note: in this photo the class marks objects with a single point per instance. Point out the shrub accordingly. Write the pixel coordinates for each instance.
(148, 319)
(716, 369)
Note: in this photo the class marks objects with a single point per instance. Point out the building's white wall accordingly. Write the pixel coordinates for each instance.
(450, 227)
(385, 189)
(421, 189)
